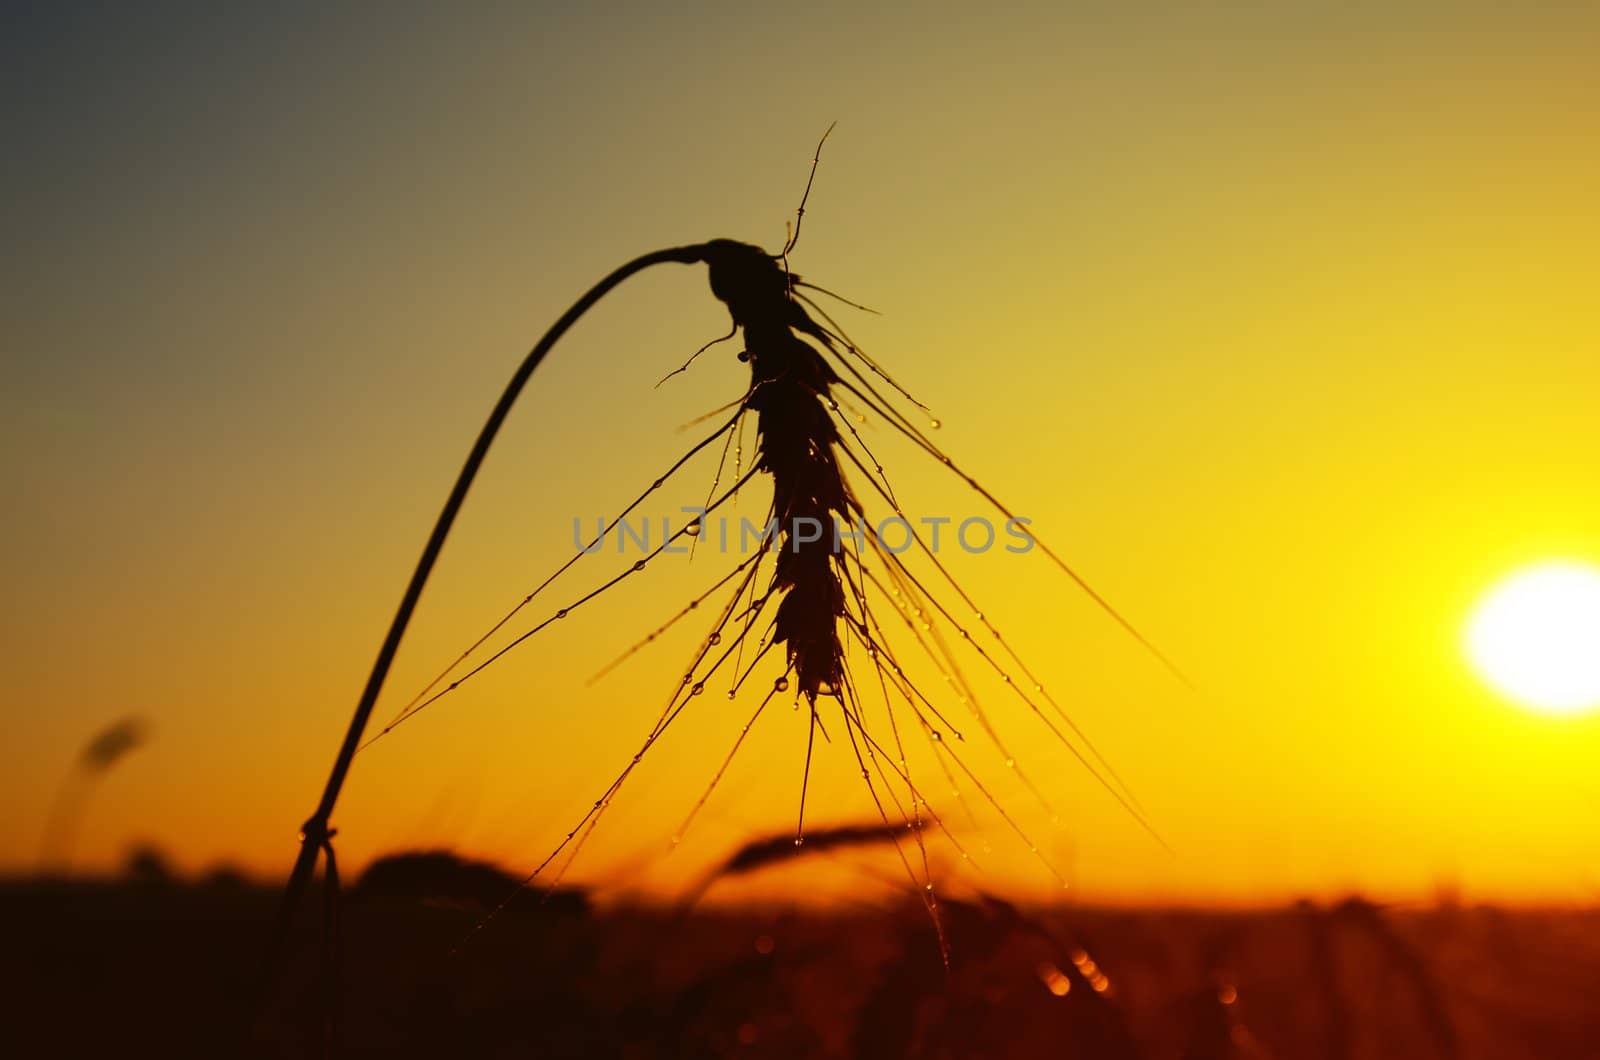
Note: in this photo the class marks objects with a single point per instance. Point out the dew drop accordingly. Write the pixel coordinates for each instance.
(1037, 687)
(657, 484)
(639, 565)
(699, 686)
(693, 529)
(731, 694)
(781, 684)
(714, 639)
(1011, 763)
(561, 613)
(935, 424)
(937, 738)
(799, 840)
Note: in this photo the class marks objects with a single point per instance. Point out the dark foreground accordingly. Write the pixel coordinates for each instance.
(157, 968)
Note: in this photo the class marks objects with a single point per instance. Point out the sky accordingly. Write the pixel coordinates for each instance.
(1276, 320)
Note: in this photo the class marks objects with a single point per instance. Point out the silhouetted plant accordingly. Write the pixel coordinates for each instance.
(813, 596)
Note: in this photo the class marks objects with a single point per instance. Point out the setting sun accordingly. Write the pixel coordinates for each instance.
(1536, 637)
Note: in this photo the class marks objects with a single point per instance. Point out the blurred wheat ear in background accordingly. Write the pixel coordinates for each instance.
(108, 747)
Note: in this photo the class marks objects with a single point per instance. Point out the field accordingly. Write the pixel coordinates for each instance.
(160, 967)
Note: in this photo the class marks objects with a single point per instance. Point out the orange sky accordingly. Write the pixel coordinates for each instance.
(1281, 328)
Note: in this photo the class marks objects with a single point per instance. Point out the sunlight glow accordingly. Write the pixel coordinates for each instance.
(1536, 637)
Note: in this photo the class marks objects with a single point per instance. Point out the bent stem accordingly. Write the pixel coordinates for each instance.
(315, 834)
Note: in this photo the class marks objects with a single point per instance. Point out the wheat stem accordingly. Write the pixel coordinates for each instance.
(314, 833)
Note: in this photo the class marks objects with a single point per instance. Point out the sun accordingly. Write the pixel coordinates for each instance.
(1536, 637)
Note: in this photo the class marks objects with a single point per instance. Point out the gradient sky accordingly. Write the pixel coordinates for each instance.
(1280, 323)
